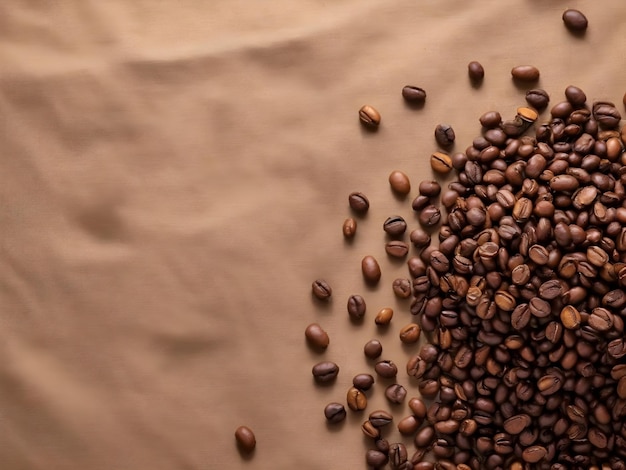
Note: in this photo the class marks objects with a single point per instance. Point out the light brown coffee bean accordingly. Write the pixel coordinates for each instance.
(371, 269)
(526, 73)
(570, 317)
(410, 334)
(316, 336)
(441, 162)
(400, 182)
(408, 425)
(384, 316)
(349, 227)
(370, 430)
(246, 440)
(356, 399)
(369, 117)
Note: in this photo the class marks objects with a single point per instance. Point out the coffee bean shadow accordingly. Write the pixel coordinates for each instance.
(397, 261)
(476, 83)
(523, 85)
(245, 454)
(321, 304)
(415, 106)
(578, 35)
(399, 197)
(315, 349)
(323, 385)
(371, 286)
(336, 427)
(411, 349)
(369, 132)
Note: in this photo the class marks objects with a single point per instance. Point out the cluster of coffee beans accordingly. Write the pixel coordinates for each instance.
(522, 301)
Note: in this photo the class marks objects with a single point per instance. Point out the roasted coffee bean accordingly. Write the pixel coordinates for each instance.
(397, 455)
(400, 182)
(386, 369)
(429, 188)
(420, 202)
(316, 336)
(370, 430)
(356, 307)
(516, 424)
(475, 71)
(373, 349)
(397, 249)
(413, 94)
(395, 393)
(384, 316)
(376, 459)
(408, 425)
(575, 20)
(359, 202)
(570, 317)
(430, 216)
(534, 454)
(606, 114)
(369, 117)
(334, 412)
(490, 119)
(537, 98)
(363, 381)
(380, 418)
(402, 288)
(418, 407)
(356, 399)
(525, 73)
(394, 226)
(349, 228)
(441, 162)
(444, 135)
(321, 289)
(371, 270)
(246, 440)
(410, 334)
(325, 372)
(575, 95)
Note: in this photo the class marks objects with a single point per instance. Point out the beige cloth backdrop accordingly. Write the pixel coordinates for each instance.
(174, 175)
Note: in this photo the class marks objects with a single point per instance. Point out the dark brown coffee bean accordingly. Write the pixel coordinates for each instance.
(534, 454)
(380, 418)
(606, 114)
(384, 316)
(575, 95)
(429, 188)
(321, 289)
(490, 119)
(370, 269)
(413, 94)
(363, 381)
(575, 20)
(410, 334)
(335, 412)
(551, 289)
(325, 372)
(402, 288)
(369, 117)
(525, 73)
(418, 407)
(356, 307)
(246, 440)
(597, 438)
(397, 455)
(430, 216)
(444, 135)
(358, 202)
(408, 425)
(400, 182)
(316, 336)
(441, 162)
(397, 248)
(601, 319)
(537, 98)
(395, 393)
(394, 226)
(621, 388)
(475, 71)
(373, 349)
(516, 424)
(356, 399)
(376, 459)
(386, 369)
(349, 228)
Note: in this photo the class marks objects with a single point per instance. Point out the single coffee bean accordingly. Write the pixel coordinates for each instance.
(394, 226)
(397, 455)
(325, 372)
(410, 334)
(395, 393)
(601, 319)
(316, 336)
(413, 94)
(321, 289)
(356, 307)
(441, 162)
(430, 216)
(376, 459)
(516, 424)
(575, 95)
(397, 249)
(369, 117)
(444, 135)
(429, 188)
(418, 407)
(400, 183)
(534, 454)
(575, 20)
(475, 71)
(373, 349)
(416, 366)
(527, 114)
(402, 288)
(606, 114)
(349, 227)
(334, 412)
(384, 316)
(370, 269)
(386, 369)
(570, 317)
(358, 202)
(380, 418)
(246, 440)
(363, 381)
(370, 430)
(549, 384)
(490, 119)
(408, 425)
(537, 98)
(356, 399)
(420, 202)
(525, 73)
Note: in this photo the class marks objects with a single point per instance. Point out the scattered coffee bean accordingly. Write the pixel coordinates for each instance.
(475, 71)
(537, 98)
(349, 228)
(394, 226)
(356, 307)
(359, 202)
(400, 183)
(441, 162)
(575, 96)
(316, 336)
(363, 381)
(335, 412)
(386, 369)
(246, 440)
(408, 425)
(369, 117)
(384, 316)
(356, 399)
(444, 135)
(369, 430)
(395, 393)
(413, 94)
(371, 269)
(420, 238)
(490, 120)
(575, 20)
(402, 288)
(429, 188)
(373, 349)
(410, 334)
(525, 73)
(321, 289)
(376, 459)
(397, 455)
(380, 418)
(397, 249)
(430, 215)
(325, 372)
